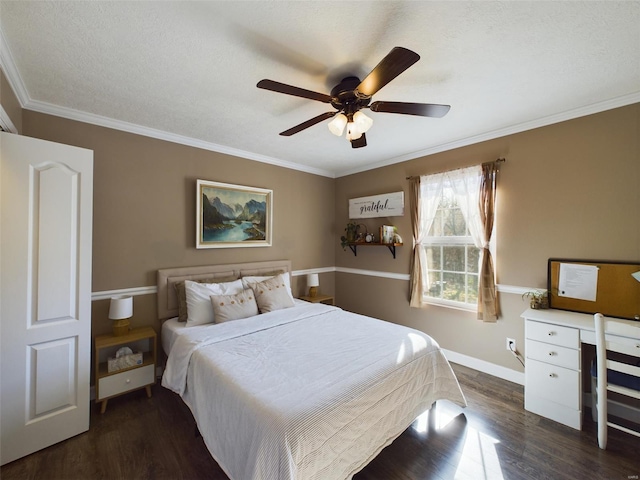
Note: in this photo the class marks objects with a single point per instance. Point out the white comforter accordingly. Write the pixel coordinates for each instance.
(310, 392)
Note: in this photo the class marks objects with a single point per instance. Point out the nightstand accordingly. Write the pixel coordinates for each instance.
(128, 379)
(327, 299)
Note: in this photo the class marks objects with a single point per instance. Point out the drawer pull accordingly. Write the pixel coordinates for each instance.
(551, 354)
(551, 334)
(553, 375)
(128, 380)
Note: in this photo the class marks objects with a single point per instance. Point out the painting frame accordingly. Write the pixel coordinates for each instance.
(234, 217)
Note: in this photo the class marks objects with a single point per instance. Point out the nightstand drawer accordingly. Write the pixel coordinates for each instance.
(555, 334)
(125, 381)
(553, 354)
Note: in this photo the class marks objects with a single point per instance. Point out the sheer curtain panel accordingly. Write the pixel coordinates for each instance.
(425, 195)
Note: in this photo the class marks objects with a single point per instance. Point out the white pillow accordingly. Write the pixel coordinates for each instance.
(249, 282)
(199, 308)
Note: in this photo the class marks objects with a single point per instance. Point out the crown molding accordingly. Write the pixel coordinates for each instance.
(5, 122)
(610, 104)
(8, 66)
(93, 119)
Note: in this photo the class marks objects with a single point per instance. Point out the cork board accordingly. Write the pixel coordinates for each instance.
(617, 293)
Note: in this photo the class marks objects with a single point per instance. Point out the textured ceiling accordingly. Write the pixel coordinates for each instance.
(187, 71)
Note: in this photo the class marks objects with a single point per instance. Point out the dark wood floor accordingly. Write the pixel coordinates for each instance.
(493, 438)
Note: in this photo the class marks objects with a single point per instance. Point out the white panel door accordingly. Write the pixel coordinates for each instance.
(45, 317)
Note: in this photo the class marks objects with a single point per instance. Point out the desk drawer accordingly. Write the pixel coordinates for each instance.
(555, 334)
(557, 384)
(125, 381)
(553, 354)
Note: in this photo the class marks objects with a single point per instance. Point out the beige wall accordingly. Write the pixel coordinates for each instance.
(10, 103)
(568, 190)
(144, 210)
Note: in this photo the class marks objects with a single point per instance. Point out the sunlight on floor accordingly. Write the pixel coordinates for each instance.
(479, 459)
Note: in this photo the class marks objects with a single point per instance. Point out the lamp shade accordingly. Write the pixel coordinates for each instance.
(362, 121)
(336, 126)
(121, 307)
(313, 280)
(353, 132)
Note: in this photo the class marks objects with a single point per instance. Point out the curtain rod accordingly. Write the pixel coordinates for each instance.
(499, 160)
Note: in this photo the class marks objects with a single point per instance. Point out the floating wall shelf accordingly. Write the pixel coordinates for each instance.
(390, 246)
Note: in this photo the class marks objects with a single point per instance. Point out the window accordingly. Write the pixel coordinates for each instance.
(452, 258)
(452, 237)
(453, 216)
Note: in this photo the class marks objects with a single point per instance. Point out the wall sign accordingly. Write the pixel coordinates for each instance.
(385, 205)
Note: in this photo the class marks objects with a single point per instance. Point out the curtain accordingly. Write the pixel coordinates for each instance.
(466, 187)
(425, 196)
(488, 308)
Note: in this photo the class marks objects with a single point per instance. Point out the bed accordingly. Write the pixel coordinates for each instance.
(309, 392)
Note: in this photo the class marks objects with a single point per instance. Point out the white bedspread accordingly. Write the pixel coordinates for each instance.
(308, 393)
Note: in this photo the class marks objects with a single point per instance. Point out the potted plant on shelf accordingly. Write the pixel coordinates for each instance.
(538, 299)
(350, 230)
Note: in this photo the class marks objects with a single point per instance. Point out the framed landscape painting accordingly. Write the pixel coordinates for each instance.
(230, 216)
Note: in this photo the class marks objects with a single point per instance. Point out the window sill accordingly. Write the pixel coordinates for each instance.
(450, 304)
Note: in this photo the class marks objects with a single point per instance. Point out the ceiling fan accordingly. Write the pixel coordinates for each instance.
(351, 95)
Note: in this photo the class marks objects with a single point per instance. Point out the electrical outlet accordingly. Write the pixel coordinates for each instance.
(511, 344)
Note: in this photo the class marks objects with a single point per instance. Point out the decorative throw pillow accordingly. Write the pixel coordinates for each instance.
(199, 308)
(272, 294)
(234, 307)
(182, 296)
(250, 281)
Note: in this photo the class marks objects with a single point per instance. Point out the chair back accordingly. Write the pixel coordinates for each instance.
(613, 375)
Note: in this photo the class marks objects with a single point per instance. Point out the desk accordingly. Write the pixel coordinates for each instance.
(553, 372)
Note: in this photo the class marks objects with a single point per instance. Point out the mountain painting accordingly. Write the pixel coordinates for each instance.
(232, 216)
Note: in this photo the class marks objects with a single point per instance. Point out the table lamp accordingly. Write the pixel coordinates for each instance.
(313, 282)
(120, 311)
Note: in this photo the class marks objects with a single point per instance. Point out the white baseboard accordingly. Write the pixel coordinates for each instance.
(485, 367)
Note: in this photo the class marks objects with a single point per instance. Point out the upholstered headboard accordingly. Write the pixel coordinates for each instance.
(167, 277)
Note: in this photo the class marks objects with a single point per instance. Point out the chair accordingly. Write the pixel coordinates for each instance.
(613, 375)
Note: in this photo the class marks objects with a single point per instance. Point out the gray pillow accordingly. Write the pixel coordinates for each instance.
(234, 307)
(272, 294)
(182, 294)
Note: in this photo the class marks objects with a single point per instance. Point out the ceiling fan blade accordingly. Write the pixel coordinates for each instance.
(307, 124)
(420, 109)
(291, 90)
(359, 142)
(396, 62)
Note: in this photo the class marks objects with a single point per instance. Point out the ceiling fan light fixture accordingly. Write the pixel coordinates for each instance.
(362, 121)
(353, 132)
(336, 126)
